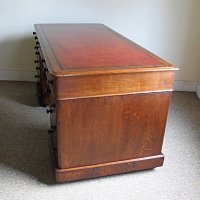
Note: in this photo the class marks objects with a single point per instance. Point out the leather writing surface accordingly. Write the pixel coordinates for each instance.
(87, 46)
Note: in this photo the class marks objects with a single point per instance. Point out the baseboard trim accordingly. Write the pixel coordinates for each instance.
(107, 169)
(187, 86)
(198, 90)
(17, 75)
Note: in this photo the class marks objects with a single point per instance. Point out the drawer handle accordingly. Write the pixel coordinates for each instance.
(36, 38)
(37, 53)
(36, 47)
(37, 76)
(49, 111)
(37, 68)
(45, 69)
(36, 61)
(50, 131)
(34, 33)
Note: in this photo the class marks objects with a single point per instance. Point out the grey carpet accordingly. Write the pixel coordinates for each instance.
(26, 171)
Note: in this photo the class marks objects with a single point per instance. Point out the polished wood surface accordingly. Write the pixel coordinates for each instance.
(113, 84)
(107, 97)
(110, 128)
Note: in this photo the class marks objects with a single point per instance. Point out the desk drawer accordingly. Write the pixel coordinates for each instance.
(41, 60)
(49, 78)
(53, 134)
(52, 110)
(53, 129)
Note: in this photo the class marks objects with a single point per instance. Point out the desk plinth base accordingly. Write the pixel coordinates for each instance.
(105, 169)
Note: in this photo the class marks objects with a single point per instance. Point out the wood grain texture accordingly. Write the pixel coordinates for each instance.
(98, 130)
(112, 84)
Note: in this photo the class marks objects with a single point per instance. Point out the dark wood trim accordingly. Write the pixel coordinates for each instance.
(105, 169)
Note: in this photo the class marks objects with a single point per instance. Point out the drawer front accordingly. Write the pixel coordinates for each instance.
(53, 129)
(50, 78)
(53, 135)
(42, 68)
(52, 107)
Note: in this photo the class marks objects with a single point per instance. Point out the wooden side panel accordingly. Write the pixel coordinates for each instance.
(113, 84)
(107, 129)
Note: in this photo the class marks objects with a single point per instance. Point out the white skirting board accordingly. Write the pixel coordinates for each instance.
(17, 75)
(198, 90)
(187, 86)
(25, 75)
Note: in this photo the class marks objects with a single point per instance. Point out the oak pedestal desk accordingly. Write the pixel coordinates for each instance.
(108, 100)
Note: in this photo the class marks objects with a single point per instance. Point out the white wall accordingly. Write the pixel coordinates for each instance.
(169, 28)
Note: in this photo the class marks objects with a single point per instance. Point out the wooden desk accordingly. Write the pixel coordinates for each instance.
(108, 100)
